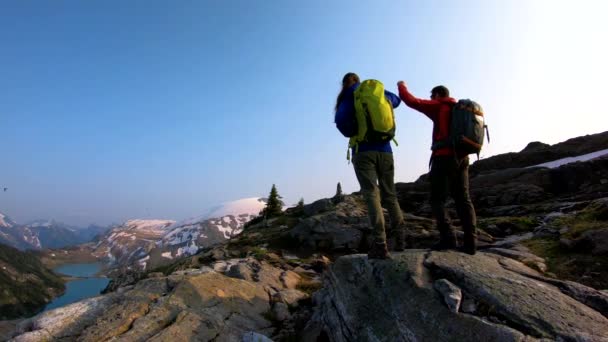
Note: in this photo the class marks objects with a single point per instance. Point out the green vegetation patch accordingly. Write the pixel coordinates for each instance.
(591, 218)
(270, 233)
(597, 211)
(508, 225)
(259, 252)
(576, 226)
(575, 266)
(26, 285)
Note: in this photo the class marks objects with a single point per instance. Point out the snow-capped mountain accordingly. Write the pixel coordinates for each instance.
(241, 208)
(15, 236)
(42, 223)
(5, 221)
(43, 234)
(150, 243)
(220, 223)
(54, 234)
(131, 242)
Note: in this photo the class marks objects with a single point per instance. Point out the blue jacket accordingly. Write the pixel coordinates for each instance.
(346, 108)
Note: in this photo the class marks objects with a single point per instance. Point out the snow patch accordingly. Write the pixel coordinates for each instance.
(246, 206)
(167, 255)
(117, 238)
(238, 231)
(32, 239)
(183, 234)
(148, 225)
(41, 224)
(568, 160)
(251, 206)
(188, 250)
(5, 221)
(227, 231)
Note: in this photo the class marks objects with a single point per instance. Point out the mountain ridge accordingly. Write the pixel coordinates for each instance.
(40, 234)
(144, 243)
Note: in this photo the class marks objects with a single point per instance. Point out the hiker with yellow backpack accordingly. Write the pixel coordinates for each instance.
(364, 113)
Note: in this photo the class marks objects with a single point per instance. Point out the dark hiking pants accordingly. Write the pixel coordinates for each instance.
(375, 172)
(450, 176)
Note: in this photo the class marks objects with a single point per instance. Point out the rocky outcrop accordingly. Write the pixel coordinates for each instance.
(342, 229)
(345, 229)
(319, 206)
(537, 153)
(208, 303)
(593, 241)
(521, 191)
(397, 300)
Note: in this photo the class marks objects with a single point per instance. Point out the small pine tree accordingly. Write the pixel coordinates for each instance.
(301, 203)
(274, 206)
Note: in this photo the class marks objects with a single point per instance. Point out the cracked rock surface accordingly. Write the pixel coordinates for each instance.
(206, 305)
(395, 300)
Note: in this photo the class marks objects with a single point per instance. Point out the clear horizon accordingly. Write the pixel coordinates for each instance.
(113, 111)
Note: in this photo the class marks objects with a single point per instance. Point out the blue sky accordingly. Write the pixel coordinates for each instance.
(112, 110)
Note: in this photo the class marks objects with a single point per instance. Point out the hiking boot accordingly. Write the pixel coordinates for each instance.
(469, 245)
(443, 245)
(399, 240)
(447, 240)
(378, 251)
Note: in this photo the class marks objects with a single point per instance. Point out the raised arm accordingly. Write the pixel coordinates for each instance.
(428, 107)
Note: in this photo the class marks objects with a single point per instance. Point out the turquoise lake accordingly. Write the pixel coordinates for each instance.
(79, 289)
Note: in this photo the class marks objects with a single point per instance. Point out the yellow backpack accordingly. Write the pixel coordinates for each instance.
(374, 114)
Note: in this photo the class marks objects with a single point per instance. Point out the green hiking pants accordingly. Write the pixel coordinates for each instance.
(376, 172)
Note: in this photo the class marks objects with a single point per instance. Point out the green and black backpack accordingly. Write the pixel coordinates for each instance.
(467, 128)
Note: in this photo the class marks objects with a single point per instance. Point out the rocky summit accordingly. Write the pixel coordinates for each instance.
(450, 296)
(541, 272)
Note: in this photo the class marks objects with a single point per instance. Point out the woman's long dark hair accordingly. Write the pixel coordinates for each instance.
(348, 80)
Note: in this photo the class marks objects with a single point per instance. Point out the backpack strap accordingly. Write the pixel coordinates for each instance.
(348, 153)
(352, 143)
(487, 132)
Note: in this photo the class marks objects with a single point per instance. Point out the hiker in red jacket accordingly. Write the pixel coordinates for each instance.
(449, 170)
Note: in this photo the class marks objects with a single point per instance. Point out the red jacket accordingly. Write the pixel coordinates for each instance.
(437, 110)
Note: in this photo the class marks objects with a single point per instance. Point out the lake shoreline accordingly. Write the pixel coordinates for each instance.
(82, 280)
